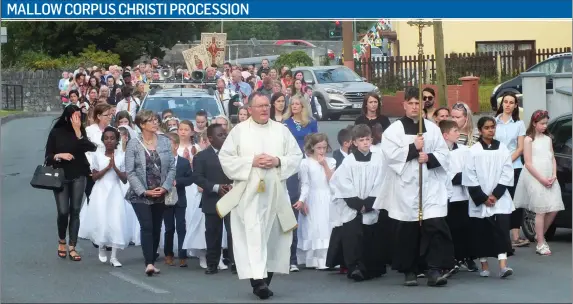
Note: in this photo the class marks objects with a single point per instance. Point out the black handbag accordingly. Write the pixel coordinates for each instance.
(48, 178)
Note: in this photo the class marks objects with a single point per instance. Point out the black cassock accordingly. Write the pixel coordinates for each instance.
(356, 241)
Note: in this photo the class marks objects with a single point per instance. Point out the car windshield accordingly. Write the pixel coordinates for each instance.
(335, 75)
(183, 107)
(375, 50)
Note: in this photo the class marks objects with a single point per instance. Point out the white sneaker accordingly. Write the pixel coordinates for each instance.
(114, 262)
(203, 262)
(222, 265)
(294, 268)
(102, 255)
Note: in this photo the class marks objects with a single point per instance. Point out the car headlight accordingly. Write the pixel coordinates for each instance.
(376, 91)
(334, 91)
(495, 89)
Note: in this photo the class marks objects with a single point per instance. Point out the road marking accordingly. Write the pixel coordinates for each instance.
(137, 282)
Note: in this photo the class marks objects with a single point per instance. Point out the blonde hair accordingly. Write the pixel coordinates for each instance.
(468, 128)
(304, 113)
(229, 124)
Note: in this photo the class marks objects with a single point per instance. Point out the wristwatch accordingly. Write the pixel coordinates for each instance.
(279, 164)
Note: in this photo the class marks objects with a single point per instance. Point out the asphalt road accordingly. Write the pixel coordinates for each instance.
(32, 272)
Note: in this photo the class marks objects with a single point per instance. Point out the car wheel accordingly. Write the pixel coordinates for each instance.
(335, 117)
(528, 225)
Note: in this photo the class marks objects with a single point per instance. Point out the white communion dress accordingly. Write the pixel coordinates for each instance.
(105, 221)
(314, 228)
(530, 193)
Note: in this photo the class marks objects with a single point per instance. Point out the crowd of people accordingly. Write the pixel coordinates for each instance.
(263, 196)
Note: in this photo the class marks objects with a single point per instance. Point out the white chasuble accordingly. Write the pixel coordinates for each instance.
(399, 190)
(262, 219)
(355, 179)
(487, 169)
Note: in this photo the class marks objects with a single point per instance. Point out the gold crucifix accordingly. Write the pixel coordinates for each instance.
(421, 24)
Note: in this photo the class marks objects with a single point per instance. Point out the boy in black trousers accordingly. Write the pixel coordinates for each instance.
(209, 175)
(174, 216)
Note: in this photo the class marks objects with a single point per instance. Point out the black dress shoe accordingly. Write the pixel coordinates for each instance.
(211, 270)
(357, 275)
(263, 292)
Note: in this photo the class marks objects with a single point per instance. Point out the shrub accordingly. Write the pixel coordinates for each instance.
(294, 59)
(89, 56)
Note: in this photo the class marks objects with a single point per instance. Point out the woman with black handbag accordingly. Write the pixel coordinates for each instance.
(65, 149)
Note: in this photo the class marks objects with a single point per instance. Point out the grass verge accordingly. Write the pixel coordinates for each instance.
(4, 113)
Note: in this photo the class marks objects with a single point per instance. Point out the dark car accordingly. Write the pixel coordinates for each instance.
(560, 63)
(560, 128)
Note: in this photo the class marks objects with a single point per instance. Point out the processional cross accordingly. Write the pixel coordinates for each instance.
(214, 50)
(420, 24)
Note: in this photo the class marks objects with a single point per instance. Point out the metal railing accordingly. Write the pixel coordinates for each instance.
(12, 97)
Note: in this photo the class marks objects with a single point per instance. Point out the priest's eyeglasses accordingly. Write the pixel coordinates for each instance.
(265, 106)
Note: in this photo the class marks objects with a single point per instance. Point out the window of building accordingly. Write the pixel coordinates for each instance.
(504, 46)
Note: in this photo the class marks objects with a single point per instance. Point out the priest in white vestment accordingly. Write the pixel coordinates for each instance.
(417, 247)
(259, 155)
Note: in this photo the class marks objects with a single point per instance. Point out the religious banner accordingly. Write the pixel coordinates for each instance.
(197, 58)
(215, 44)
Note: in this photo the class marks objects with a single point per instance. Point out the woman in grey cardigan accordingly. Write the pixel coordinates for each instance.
(150, 168)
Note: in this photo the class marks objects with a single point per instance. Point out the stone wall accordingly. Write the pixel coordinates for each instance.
(39, 90)
(237, 49)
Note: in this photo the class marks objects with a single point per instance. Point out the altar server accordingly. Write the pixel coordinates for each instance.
(458, 218)
(354, 186)
(488, 174)
(417, 242)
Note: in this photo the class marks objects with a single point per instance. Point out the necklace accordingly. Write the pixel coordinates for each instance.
(150, 142)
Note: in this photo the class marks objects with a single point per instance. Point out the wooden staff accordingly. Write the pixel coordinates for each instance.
(420, 24)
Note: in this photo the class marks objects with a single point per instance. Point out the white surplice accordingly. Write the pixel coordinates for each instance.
(355, 179)
(486, 169)
(261, 243)
(399, 190)
(458, 158)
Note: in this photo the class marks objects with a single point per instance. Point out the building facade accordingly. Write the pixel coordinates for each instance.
(462, 36)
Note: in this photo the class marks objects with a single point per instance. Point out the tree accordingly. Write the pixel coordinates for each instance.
(278, 30)
(130, 40)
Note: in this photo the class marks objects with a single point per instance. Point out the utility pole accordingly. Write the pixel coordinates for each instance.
(222, 26)
(354, 30)
(347, 41)
(440, 63)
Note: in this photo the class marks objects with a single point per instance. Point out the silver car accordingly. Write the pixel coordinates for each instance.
(184, 102)
(339, 89)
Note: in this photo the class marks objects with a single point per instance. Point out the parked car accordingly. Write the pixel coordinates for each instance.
(256, 61)
(339, 89)
(184, 102)
(291, 42)
(560, 63)
(560, 129)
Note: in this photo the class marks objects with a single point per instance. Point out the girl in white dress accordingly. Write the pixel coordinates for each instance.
(538, 189)
(106, 223)
(314, 225)
(126, 133)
